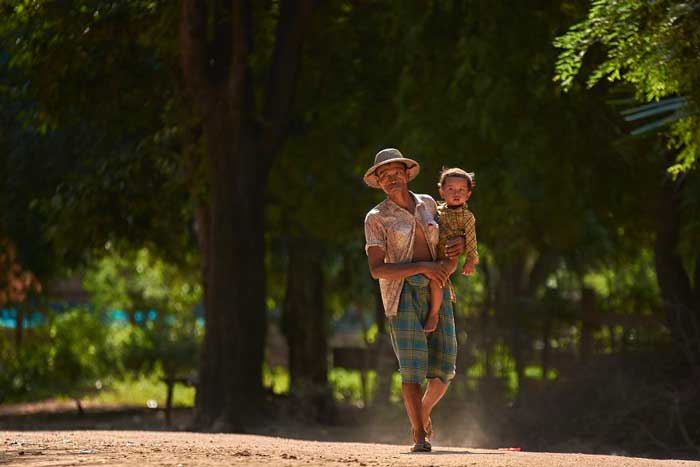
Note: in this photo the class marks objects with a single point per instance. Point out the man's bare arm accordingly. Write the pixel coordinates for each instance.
(396, 271)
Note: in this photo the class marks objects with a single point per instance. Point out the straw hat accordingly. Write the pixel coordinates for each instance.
(387, 156)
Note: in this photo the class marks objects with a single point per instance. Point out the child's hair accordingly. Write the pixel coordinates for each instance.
(457, 172)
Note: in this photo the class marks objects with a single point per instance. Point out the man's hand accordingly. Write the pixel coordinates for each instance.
(438, 271)
(455, 247)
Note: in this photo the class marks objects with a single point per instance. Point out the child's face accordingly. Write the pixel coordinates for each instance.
(455, 191)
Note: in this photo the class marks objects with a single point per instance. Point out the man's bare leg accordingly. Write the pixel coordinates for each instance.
(435, 304)
(412, 401)
(433, 393)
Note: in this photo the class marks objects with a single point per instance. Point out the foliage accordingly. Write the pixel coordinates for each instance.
(65, 357)
(347, 384)
(653, 46)
(139, 281)
(96, 119)
(81, 346)
(137, 391)
(99, 163)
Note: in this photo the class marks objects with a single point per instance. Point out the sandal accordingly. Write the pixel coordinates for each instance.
(423, 446)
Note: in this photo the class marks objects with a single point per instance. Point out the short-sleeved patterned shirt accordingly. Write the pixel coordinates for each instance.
(392, 228)
(457, 222)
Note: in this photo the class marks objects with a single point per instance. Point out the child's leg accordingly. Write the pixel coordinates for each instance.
(435, 304)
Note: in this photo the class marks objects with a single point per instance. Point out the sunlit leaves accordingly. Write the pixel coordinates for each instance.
(139, 280)
(654, 46)
(165, 296)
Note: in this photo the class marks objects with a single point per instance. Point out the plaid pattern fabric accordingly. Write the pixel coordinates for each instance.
(457, 223)
(423, 355)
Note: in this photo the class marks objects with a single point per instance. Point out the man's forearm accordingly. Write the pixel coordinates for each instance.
(397, 271)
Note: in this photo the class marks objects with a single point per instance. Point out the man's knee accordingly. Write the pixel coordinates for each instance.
(439, 382)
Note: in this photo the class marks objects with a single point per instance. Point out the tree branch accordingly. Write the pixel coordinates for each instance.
(696, 285)
(673, 281)
(292, 27)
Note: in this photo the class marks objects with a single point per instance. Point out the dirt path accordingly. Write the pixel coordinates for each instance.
(181, 449)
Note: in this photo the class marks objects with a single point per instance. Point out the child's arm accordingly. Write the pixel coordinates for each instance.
(471, 252)
(468, 268)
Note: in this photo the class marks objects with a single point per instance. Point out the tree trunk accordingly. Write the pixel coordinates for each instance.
(588, 322)
(19, 325)
(208, 351)
(509, 304)
(613, 338)
(546, 345)
(170, 383)
(485, 334)
(516, 287)
(231, 366)
(681, 312)
(385, 360)
(304, 323)
(79, 406)
(216, 50)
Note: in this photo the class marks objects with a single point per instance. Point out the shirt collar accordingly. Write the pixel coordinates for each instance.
(396, 207)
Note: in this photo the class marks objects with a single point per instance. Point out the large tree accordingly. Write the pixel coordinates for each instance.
(654, 49)
(242, 133)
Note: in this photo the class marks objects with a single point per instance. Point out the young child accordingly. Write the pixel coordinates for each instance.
(455, 220)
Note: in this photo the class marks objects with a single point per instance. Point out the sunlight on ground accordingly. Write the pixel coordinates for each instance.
(139, 391)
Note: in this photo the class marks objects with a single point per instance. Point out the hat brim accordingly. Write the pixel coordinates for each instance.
(412, 171)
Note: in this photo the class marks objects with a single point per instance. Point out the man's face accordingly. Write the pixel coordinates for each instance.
(392, 177)
(455, 191)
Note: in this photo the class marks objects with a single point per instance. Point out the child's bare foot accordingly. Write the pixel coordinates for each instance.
(431, 323)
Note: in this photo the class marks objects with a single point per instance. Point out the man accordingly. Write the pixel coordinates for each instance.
(401, 235)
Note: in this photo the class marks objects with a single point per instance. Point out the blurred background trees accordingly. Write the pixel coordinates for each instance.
(197, 171)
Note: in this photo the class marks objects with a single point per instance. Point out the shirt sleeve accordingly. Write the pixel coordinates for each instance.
(375, 234)
(472, 254)
(431, 205)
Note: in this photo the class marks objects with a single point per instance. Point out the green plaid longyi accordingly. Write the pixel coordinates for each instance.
(423, 355)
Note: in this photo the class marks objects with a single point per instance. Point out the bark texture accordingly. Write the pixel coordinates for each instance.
(679, 298)
(305, 322)
(241, 143)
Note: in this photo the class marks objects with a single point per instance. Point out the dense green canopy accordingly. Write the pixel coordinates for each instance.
(227, 142)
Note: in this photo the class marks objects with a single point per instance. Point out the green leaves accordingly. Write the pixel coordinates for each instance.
(139, 281)
(90, 108)
(654, 46)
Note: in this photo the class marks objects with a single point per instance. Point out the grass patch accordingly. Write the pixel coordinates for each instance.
(138, 391)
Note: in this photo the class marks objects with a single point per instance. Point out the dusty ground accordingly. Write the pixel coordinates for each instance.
(181, 449)
(52, 433)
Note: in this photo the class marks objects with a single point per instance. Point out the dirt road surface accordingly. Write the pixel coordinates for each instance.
(182, 449)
